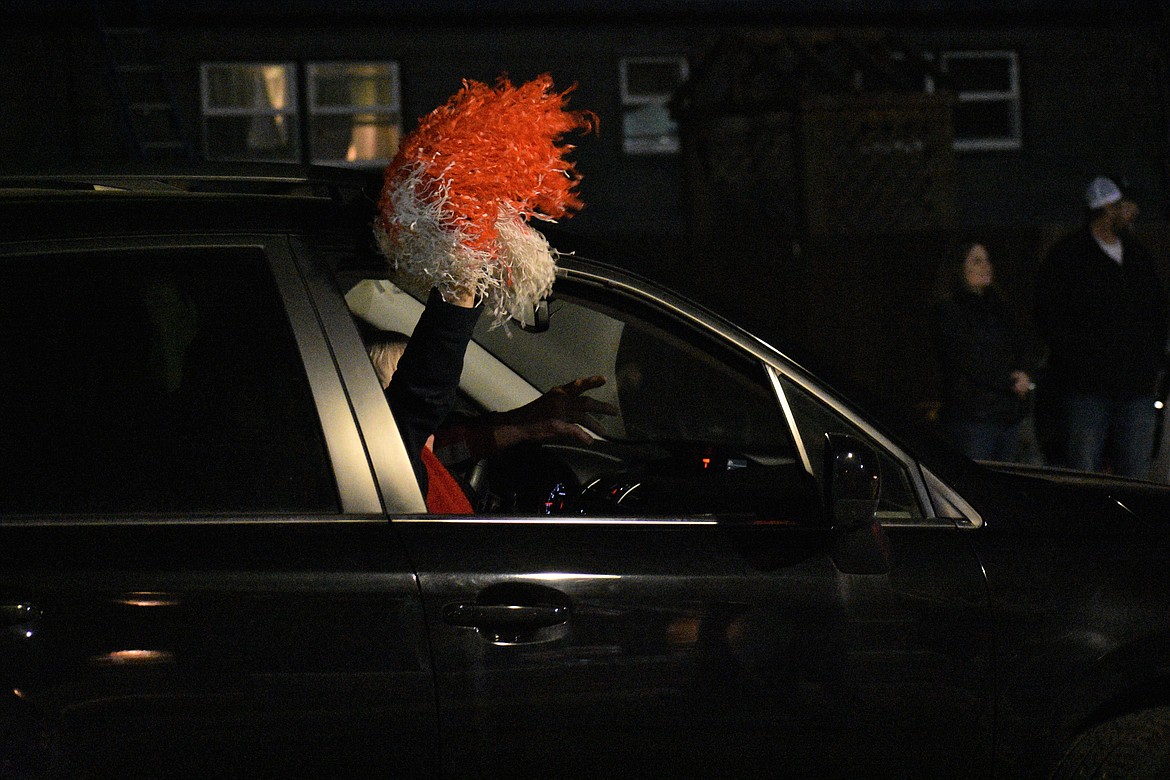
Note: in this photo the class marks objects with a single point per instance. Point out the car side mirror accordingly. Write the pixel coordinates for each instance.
(853, 487)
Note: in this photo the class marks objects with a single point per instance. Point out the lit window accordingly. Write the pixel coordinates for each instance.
(355, 112)
(250, 111)
(648, 83)
(987, 88)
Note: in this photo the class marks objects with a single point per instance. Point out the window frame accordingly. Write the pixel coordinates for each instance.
(710, 353)
(929, 491)
(1011, 97)
(939, 506)
(668, 143)
(345, 451)
(301, 110)
(313, 110)
(290, 112)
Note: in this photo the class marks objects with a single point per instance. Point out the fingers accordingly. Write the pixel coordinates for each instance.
(578, 386)
(566, 403)
(575, 388)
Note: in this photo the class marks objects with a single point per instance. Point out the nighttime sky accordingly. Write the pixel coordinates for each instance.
(974, 9)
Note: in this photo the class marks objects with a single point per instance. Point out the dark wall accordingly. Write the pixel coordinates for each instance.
(1094, 101)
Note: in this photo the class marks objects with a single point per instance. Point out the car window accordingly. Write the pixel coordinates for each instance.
(699, 428)
(154, 382)
(670, 383)
(814, 418)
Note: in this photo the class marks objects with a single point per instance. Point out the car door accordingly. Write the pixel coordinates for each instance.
(196, 574)
(670, 600)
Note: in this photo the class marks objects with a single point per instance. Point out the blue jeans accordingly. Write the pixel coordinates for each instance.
(1102, 430)
(981, 440)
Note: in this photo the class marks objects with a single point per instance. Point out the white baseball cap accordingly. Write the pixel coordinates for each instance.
(1101, 192)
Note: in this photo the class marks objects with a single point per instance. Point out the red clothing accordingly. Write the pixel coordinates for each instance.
(444, 496)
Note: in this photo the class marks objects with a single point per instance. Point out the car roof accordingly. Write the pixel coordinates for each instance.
(126, 200)
(179, 177)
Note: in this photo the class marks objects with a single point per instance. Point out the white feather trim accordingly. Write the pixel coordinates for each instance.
(426, 249)
(530, 259)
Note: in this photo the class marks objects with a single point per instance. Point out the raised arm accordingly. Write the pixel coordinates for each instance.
(422, 391)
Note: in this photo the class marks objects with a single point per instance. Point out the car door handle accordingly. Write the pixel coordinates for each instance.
(499, 617)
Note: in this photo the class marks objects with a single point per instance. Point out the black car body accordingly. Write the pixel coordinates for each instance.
(214, 557)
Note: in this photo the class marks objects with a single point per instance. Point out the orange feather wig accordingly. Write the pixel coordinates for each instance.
(459, 194)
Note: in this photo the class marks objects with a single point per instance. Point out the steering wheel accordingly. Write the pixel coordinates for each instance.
(525, 479)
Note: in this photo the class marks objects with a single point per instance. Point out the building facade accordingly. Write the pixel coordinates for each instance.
(1035, 98)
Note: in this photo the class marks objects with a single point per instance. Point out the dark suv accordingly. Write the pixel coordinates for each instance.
(215, 559)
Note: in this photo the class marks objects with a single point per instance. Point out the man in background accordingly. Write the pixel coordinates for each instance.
(1101, 309)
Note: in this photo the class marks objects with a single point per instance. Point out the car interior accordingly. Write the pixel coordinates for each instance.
(699, 431)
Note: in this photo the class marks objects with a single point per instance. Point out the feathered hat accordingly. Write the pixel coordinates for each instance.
(459, 193)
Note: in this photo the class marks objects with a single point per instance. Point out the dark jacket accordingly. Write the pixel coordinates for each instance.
(1104, 323)
(423, 389)
(980, 343)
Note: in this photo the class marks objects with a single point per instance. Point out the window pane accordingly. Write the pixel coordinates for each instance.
(647, 86)
(355, 138)
(247, 86)
(669, 385)
(698, 428)
(250, 112)
(251, 138)
(360, 135)
(814, 419)
(231, 87)
(648, 128)
(991, 73)
(137, 382)
(355, 85)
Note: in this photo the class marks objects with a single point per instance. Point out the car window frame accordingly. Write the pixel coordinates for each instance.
(939, 505)
(670, 330)
(382, 444)
(345, 454)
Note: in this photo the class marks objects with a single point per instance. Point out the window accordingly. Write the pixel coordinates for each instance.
(142, 382)
(814, 419)
(670, 384)
(987, 89)
(250, 111)
(699, 429)
(647, 85)
(355, 113)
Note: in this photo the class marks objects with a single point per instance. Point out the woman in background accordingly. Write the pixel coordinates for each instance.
(986, 381)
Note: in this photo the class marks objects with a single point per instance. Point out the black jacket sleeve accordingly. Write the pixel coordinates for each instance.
(422, 391)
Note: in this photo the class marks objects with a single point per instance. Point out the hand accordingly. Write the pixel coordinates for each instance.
(562, 412)
(461, 296)
(1022, 384)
